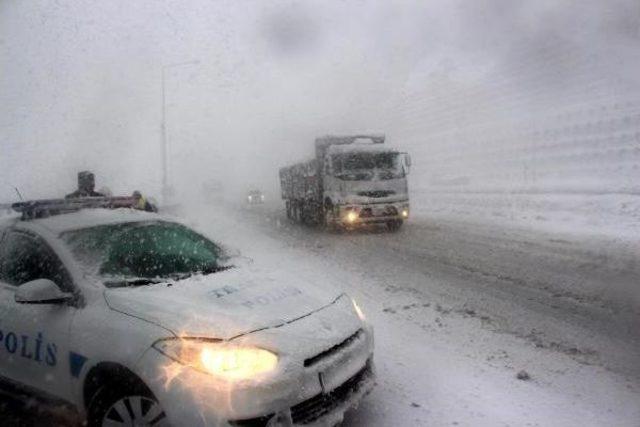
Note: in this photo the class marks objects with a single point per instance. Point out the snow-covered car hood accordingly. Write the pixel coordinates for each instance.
(223, 305)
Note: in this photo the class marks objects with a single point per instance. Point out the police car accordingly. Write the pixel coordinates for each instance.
(131, 318)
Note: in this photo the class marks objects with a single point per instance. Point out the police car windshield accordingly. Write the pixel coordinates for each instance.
(143, 253)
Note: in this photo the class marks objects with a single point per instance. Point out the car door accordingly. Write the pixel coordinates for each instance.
(34, 338)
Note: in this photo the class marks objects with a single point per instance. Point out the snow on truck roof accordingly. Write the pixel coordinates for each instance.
(358, 148)
(377, 138)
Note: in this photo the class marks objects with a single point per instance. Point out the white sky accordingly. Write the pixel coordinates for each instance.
(80, 80)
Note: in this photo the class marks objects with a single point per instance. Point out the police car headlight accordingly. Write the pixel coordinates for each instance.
(224, 360)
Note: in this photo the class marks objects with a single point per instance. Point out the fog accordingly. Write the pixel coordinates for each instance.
(81, 82)
(501, 274)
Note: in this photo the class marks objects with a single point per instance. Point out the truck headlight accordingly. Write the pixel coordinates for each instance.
(352, 216)
(405, 213)
(224, 360)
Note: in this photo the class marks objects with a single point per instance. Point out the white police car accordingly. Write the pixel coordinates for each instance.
(134, 319)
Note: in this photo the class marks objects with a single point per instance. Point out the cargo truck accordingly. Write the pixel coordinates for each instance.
(351, 181)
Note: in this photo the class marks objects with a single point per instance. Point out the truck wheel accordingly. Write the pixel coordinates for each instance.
(394, 225)
(295, 212)
(328, 220)
(329, 215)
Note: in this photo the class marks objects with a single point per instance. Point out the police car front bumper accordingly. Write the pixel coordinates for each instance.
(295, 395)
(325, 408)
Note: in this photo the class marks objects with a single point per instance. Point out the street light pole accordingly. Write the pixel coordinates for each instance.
(166, 191)
(165, 154)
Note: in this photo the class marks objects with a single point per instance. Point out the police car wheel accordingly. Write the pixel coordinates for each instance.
(114, 408)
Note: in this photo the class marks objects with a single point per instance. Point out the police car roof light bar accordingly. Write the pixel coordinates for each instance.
(33, 209)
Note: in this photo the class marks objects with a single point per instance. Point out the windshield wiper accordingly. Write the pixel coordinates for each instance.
(206, 270)
(214, 269)
(146, 281)
(138, 281)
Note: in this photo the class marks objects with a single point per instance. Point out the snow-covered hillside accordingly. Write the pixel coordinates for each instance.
(488, 148)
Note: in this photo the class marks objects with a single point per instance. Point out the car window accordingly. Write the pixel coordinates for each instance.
(149, 249)
(24, 258)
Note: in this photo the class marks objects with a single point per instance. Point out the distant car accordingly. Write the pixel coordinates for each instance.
(255, 197)
(135, 319)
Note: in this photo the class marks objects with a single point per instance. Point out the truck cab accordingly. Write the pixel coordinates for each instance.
(365, 183)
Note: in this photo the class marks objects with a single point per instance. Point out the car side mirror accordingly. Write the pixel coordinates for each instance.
(41, 291)
(407, 163)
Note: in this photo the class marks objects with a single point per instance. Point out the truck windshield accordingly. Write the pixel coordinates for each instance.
(137, 253)
(363, 166)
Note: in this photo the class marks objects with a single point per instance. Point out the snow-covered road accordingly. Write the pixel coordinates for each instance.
(461, 308)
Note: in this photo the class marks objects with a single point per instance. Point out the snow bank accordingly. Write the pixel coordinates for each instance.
(612, 215)
(573, 166)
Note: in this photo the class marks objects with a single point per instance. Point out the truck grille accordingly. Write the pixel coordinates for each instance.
(377, 193)
(311, 409)
(336, 348)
